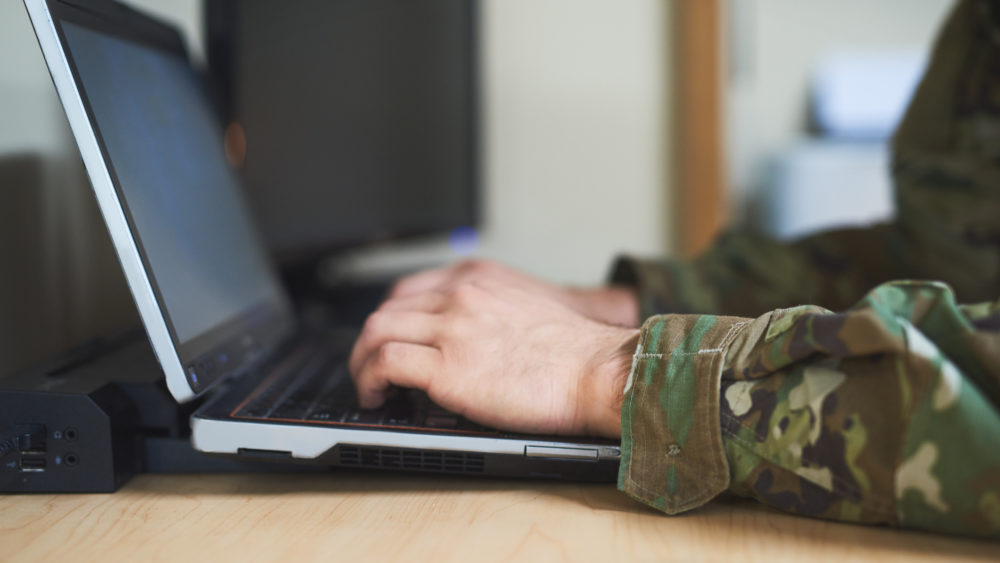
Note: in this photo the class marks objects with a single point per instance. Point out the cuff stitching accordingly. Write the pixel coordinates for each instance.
(719, 465)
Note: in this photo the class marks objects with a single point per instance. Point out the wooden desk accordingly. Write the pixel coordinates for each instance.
(347, 517)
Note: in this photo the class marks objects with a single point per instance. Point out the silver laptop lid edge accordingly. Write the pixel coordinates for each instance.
(107, 199)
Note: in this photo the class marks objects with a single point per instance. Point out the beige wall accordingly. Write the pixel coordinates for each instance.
(576, 150)
(576, 123)
(775, 44)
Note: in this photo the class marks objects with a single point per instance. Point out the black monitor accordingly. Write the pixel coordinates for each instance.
(352, 121)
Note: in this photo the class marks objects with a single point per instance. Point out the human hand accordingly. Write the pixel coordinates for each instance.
(498, 355)
(613, 305)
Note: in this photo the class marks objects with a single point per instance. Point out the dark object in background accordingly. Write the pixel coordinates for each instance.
(24, 332)
(352, 121)
(60, 282)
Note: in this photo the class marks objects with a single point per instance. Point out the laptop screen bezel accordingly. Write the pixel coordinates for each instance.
(236, 343)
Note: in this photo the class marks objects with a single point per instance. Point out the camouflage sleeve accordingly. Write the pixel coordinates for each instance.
(746, 273)
(946, 175)
(884, 413)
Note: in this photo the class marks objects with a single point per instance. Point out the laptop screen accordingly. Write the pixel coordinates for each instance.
(165, 149)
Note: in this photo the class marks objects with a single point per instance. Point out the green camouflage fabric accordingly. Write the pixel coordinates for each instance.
(884, 413)
(887, 412)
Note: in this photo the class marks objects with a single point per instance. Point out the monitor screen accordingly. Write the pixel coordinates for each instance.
(358, 116)
(163, 145)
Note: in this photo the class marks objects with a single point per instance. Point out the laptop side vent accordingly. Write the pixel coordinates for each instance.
(418, 460)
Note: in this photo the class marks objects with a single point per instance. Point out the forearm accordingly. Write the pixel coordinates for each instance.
(748, 274)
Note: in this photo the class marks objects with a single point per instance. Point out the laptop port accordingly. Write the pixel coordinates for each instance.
(32, 464)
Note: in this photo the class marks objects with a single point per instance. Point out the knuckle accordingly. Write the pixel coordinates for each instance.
(466, 294)
(389, 304)
(375, 323)
(409, 284)
(481, 265)
(456, 328)
(387, 355)
(468, 265)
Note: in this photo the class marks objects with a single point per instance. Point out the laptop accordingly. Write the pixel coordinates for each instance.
(272, 384)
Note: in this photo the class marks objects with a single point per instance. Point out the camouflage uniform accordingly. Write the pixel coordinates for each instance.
(884, 413)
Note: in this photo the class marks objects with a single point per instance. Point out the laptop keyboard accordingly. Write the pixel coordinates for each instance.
(313, 385)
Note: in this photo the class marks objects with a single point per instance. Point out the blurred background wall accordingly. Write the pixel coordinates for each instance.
(576, 144)
(576, 163)
(577, 152)
(786, 176)
(577, 133)
(60, 283)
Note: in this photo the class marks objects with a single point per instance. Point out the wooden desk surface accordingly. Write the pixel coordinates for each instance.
(344, 516)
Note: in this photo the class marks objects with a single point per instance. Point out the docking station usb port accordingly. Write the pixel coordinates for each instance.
(32, 463)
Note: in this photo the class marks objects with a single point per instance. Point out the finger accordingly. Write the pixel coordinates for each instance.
(389, 326)
(426, 302)
(421, 282)
(396, 363)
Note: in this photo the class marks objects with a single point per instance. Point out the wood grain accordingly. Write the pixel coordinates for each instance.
(344, 516)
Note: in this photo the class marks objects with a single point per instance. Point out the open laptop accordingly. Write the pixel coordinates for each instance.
(218, 319)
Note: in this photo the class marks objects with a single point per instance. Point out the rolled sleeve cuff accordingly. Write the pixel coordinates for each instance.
(672, 451)
(661, 285)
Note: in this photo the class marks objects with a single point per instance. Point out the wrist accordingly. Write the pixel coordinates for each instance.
(602, 396)
(618, 305)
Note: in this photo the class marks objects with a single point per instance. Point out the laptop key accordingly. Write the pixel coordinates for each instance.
(444, 421)
(365, 417)
(328, 415)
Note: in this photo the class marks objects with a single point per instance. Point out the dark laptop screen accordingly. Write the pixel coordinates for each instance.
(165, 149)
